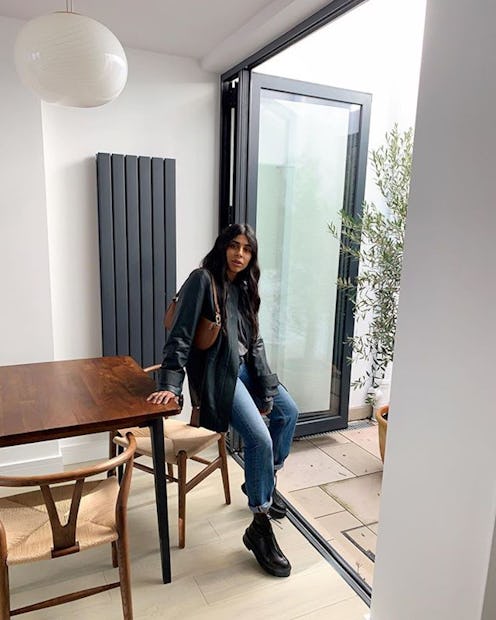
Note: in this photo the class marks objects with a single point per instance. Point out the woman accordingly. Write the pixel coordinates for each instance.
(231, 382)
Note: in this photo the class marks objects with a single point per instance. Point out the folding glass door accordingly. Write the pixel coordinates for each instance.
(306, 148)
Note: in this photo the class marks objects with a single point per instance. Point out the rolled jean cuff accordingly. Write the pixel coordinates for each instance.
(278, 467)
(264, 508)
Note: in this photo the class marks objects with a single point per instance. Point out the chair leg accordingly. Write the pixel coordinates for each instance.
(120, 469)
(112, 451)
(4, 591)
(223, 468)
(181, 478)
(115, 555)
(170, 470)
(125, 575)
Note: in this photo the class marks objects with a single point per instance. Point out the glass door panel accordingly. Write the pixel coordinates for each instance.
(299, 175)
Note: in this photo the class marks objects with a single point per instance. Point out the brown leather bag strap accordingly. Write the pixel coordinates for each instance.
(216, 301)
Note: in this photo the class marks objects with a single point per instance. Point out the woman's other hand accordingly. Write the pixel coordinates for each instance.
(267, 405)
(162, 397)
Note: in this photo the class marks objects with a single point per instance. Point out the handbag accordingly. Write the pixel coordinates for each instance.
(206, 330)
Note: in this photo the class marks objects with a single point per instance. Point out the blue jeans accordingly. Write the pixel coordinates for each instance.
(265, 448)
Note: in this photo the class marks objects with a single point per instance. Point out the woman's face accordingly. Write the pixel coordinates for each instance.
(238, 255)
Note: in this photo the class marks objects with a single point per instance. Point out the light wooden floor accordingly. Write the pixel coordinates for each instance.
(214, 577)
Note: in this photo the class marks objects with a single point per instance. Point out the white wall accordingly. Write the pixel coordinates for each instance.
(375, 48)
(26, 321)
(168, 108)
(438, 505)
(26, 327)
(49, 245)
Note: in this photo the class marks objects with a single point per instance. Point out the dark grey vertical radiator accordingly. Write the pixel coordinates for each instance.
(137, 231)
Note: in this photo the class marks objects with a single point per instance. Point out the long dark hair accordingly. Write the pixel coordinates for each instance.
(247, 280)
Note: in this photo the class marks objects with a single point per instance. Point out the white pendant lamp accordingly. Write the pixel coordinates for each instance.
(71, 60)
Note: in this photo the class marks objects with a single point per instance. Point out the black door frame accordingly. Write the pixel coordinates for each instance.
(234, 95)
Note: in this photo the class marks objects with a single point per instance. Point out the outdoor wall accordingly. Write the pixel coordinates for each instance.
(374, 48)
(435, 558)
(49, 244)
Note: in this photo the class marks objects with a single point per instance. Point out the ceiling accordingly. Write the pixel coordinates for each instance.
(219, 33)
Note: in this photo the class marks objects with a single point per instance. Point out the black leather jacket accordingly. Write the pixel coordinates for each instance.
(212, 374)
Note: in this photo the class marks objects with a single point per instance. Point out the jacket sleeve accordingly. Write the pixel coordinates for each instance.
(265, 380)
(180, 340)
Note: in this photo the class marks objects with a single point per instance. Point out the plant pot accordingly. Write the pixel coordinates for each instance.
(381, 417)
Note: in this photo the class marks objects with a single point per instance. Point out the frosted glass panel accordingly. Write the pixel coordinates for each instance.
(301, 181)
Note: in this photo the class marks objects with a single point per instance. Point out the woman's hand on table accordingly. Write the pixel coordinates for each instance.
(162, 397)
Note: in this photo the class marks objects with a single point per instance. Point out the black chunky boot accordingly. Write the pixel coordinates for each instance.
(260, 539)
(277, 509)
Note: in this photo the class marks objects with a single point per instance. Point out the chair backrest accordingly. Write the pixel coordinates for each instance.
(64, 536)
(153, 368)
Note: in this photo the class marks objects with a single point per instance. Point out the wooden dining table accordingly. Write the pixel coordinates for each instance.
(53, 400)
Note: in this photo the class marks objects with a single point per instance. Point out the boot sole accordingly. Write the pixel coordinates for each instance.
(282, 572)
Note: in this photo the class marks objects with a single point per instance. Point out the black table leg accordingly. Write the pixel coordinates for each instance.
(157, 437)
